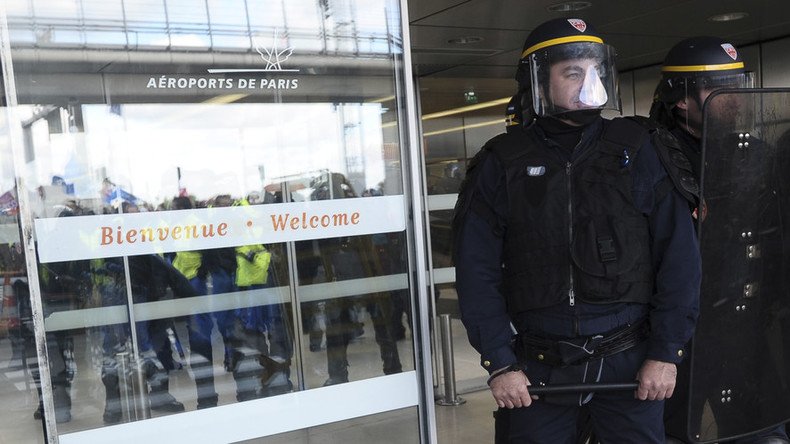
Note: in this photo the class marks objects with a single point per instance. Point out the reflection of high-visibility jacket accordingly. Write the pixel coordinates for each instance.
(98, 278)
(188, 263)
(252, 265)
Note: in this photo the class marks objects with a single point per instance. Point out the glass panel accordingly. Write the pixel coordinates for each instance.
(145, 12)
(397, 426)
(455, 127)
(214, 227)
(357, 266)
(738, 359)
(19, 374)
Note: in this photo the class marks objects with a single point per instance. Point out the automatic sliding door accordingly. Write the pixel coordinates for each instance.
(215, 194)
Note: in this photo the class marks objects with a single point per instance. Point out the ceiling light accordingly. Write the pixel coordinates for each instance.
(466, 109)
(465, 40)
(728, 17)
(225, 98)
(500, 121)
(383, 99)
(569, 6)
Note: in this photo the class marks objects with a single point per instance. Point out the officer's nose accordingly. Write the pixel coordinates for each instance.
(593, 93)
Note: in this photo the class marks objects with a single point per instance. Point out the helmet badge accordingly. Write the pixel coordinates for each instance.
(730, 50)
(578, 24)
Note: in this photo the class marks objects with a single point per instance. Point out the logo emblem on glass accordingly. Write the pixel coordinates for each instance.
(273, 56)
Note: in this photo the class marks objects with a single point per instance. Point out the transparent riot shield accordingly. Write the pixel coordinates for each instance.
(740, 363)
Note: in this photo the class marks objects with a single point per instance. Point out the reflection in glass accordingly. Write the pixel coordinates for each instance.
(148, 335)
(21, 378)
(230, 334)
(256, 339)
(337, 27)
(342, 319)
(150, 279)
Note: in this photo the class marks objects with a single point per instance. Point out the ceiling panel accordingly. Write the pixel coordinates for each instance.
(642, 31)
(525, 15)
(439, 37)
(421, 9)
(501, 72)
(504, 62)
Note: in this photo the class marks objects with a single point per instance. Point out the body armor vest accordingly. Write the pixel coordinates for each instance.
(573, 232)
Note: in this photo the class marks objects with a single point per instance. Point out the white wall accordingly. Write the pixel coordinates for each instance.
(776, 63)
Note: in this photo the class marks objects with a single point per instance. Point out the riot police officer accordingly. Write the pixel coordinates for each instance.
(567, 233)
(692, 70)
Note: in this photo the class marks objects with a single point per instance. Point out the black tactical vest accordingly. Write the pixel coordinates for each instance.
(573, 232)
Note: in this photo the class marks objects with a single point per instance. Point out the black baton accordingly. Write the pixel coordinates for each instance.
(581, 388)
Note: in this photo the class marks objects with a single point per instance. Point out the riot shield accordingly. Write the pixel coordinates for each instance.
(740, 363)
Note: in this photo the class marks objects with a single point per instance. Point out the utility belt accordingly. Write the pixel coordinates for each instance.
(565, 352)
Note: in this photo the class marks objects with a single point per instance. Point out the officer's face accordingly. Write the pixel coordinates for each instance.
(722, 111)
(566, 79)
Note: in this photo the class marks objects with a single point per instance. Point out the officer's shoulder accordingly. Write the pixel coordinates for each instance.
(643, 134)
(645, 129)
(503, 148)
(661, 149)
(491, 146)
(631, 130)
(507, 146)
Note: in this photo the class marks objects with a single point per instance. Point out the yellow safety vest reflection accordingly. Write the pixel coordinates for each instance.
(252, 265)
(188, 263)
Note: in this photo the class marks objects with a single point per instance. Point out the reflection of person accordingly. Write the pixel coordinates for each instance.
(352, 258)
(151, 276)
(200, 267)
(692, 70)
(391, 253)
(572, 238)
(64, 286)
(12, 263)
(244, 339)
(264, 326)
(345, 259)
(310, 271)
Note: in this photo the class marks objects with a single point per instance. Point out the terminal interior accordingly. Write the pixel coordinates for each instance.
(117, 108)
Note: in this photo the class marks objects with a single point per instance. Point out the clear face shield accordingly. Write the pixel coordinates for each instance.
(700, 87)
(573, 77)
(740, 80)
(726, 108)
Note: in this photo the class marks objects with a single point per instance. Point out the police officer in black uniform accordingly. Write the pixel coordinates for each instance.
(570, 233)
(692, 70)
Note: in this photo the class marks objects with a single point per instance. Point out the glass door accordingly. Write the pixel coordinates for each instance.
(212, 196)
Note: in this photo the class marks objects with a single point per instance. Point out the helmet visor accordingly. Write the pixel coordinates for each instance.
(715, 82)
(574, 76)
